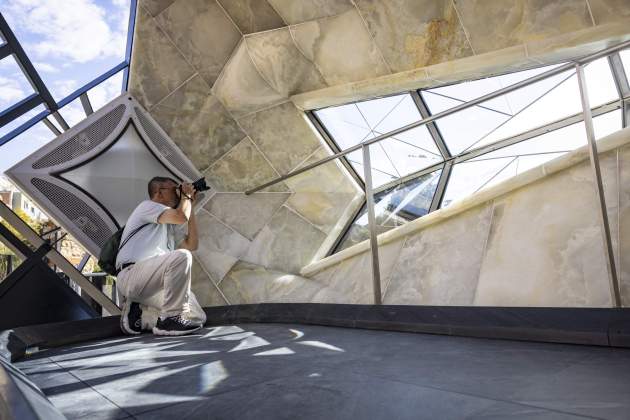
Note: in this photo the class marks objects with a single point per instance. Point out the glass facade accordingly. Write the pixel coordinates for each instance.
(488, 143)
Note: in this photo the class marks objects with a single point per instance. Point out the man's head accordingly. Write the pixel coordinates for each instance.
(164, 190)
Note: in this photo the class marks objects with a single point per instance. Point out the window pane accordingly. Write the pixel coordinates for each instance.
(21, 120)
(394, 207)
(491, 168)
(73, 113)
(391, 158)
(70, 49)
(106, 91)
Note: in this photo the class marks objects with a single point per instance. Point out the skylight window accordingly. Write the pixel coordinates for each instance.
(488, 143)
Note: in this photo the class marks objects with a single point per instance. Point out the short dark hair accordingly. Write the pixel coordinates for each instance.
(156, 182)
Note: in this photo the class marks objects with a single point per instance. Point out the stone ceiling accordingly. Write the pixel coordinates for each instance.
(222, 77)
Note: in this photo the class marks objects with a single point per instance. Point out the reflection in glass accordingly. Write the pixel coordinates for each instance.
(394, 207)
(392, 158)
(491, 168)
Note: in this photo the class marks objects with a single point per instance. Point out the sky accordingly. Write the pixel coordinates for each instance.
(70, 43)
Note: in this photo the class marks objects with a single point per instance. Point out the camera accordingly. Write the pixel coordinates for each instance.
(200, 185)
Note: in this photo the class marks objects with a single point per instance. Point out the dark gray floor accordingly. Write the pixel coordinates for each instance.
(277, 371)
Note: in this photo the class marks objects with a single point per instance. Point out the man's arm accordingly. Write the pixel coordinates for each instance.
(191, 242)
(181, 214)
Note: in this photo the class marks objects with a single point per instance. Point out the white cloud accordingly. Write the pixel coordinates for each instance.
(45, 67)
(77, 30)
(106, 91)
(65, 87)
(10, 91)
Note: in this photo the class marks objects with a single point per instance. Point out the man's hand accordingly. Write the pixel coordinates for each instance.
(188, 191)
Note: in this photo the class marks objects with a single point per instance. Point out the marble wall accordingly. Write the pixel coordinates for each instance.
(224, 79)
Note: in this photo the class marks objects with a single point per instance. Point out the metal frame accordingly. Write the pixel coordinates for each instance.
(42, 95)
(369, 199)
(594, 158)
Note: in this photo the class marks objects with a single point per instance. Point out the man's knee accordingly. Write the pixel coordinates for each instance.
(181, 256)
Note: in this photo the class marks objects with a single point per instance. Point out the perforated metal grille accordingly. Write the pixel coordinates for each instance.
(165, 148)
(81, 215)
(83, 141)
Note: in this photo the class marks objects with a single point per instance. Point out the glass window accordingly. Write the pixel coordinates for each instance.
(393, 157)
(519, 111)
(105, 92)
(73, 113)
(70, 49)
(491, 168)
(6, 129)
(394, 207)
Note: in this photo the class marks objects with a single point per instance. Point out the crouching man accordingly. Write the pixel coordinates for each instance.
(151, 266)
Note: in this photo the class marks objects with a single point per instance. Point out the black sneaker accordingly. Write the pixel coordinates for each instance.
(131, 318)
(174, 325)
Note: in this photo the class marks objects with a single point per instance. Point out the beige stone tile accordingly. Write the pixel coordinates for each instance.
(157, 68)
(605, 11)
(440, 265)
(297, 11)
(252, 15)
(251, 283)
(241, 88)
(201, 285)
(277, 58)
(155, 7)
(569, 46)
(242, 168)
(282, 134)
(322, 194)
(351, 281)
(538, 255)
(198, 123)
(247, 214)
(219, 246)
(492, 24)
(624, 224)
(286, 244)
(415, 33)
(204, 34)
(341, 47)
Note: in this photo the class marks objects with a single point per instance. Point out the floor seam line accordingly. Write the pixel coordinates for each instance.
(93, 389)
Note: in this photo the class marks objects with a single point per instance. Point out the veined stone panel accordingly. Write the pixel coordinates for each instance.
(415, 33)
(351, 281)
(205, 292)
(247, 214)
(281, 63)
(286, 244)
(155, 7)
(298, 11)
(605, 11)
(492, 25)
(198, 123)
(220, 247)
(624, 224)
(545, 246)
(440, 265)
(203, 33)
(242, 168)
(322, 194)
(252, 15)
(251, 283)
(282, 134)
(341, 48)
(241, 88)
(158, 68)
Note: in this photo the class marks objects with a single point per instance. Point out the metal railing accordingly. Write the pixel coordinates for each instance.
(578, 65)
